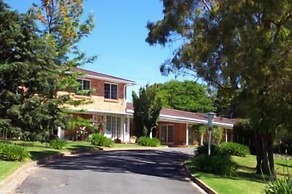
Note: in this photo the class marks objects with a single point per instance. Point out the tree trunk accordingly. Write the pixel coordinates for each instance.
(202, 139)
(265, 159)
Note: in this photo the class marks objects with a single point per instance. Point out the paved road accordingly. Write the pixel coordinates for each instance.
(151, 172)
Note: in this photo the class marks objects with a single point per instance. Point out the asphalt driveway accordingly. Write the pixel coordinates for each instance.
(151, 171)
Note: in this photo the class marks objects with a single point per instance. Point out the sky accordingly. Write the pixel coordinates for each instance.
(118, 39)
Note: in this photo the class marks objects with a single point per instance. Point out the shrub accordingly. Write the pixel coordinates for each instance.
(58, 144)
(204, 149)
(279, 186)
(220, 164)
(13, 152)
(147, 141)
(234, 149)
(99, 139)
(217, 133)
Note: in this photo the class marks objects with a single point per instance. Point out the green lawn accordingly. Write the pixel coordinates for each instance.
(7, 168)
(245, 181)
(37, 151)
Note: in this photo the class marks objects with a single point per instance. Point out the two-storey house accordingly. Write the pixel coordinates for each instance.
(107, 96)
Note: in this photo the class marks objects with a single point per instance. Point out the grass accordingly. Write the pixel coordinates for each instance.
(245, 181)
(37, 151)
(7, 168)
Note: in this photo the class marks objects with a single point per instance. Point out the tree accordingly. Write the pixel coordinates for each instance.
(243, 47)
(147, 106)
(27, 77)
(186, 95)
(33, 65)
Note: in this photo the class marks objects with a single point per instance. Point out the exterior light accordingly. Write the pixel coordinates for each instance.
(210, 116)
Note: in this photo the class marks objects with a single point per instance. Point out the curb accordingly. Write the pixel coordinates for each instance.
(129, 149)
(10, 183)
(200, 183)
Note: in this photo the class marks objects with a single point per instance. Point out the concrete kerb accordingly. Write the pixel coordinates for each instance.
(125, 149)
(10, 183)
(200, 183)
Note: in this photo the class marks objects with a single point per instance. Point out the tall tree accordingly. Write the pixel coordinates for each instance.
(27, 77)
(147, 106)
(34, 62)
(239, 46)
(185, 95)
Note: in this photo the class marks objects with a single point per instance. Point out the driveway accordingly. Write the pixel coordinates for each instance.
(148, 171)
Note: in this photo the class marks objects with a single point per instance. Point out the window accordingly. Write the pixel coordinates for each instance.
(111, 91)
(84, 88)
(84, 84)
(113, 126)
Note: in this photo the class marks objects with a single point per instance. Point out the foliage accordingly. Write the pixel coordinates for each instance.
(242, 50)
(202, 129)
(279, 186)
(243, 133)
(33, 65)
(216, 163)
(147, 141)
(185, 95)
(203, 149)
(217, 133)
(147, 106)
(285, 147)
(58, 144)
(99, 139)
(234, 149)
(13, 152)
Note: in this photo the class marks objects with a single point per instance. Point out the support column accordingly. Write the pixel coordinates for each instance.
(187, 134)
(226, 135)
(127, 129)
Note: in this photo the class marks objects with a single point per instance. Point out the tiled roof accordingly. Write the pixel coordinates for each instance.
(179, 114)
(101, 75)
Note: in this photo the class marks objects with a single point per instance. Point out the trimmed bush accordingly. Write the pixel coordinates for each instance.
(279, 186)
(149, 142)
(11, 152)
(220, 164)
(234, 149)
(99, 139)
(58, 144)
(204, 149)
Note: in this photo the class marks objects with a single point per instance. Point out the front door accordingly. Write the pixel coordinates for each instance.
(167, 134)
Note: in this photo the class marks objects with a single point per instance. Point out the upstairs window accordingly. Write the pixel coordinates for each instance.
(111, 91)
(84, 88)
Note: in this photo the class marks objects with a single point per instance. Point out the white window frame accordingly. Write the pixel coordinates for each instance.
(113, 127)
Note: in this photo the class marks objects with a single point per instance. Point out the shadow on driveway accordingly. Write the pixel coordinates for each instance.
(147, 162)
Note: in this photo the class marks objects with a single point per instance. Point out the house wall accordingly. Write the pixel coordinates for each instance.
(179, 132)
(97, 101)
